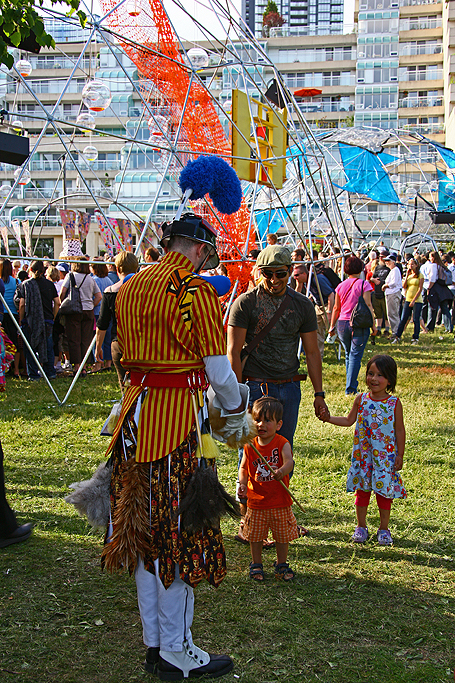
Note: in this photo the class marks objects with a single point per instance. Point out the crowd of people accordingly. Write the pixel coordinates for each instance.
(167, 334)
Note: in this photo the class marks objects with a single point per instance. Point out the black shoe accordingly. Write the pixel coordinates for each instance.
(219, 665)
(151, 660)
(20, 534)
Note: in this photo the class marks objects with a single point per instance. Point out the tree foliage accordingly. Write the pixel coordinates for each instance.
(20, 18)
(270, 7)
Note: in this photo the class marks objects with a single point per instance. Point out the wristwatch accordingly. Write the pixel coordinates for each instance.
(319, 393)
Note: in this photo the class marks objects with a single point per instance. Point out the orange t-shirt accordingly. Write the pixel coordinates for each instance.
(264, 492)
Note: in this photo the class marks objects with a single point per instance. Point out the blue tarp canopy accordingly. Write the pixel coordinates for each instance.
(269, 220)
(447, 155)
(366, 174)
(446, 192)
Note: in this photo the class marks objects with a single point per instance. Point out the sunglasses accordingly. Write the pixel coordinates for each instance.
(280, 274)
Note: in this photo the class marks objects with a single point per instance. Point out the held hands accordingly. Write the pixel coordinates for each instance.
(320, 407)
(324, 415)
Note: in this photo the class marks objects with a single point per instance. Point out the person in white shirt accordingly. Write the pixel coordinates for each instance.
(392, 290)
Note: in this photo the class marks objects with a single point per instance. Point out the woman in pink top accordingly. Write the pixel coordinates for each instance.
(355, 339)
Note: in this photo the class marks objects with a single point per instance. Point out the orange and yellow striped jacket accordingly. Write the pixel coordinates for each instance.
(168, 319)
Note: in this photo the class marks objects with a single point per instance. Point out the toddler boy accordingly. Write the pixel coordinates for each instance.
(269, 504)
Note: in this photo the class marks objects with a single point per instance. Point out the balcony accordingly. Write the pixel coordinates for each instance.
(413, 3)
(310, 107)
(317, 81)
(421, 75)
(424, 128)
(410, 50)
(419, 24)
(415, 102)
(287, 32)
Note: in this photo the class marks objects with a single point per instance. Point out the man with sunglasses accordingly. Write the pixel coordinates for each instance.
(272, 367)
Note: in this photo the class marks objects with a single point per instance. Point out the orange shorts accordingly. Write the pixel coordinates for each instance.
(280, 521)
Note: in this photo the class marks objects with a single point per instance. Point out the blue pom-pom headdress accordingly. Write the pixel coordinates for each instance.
(205, 175)
(212, 175)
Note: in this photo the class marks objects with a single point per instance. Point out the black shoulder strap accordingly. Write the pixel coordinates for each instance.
(272, 322)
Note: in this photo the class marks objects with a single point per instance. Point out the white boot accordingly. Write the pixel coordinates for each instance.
(191, 657)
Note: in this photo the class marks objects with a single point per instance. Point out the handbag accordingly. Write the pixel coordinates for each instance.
(361, 315)
(72, 303)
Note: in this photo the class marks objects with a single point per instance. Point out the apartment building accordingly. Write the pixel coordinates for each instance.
(393, 69)
(316, 15)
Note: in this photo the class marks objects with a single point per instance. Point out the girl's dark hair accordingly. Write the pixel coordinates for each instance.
(353, 265)
(37, 268)
(388, 369)
(100, 269)
(7, 271)
(267, 407)
(22, 275)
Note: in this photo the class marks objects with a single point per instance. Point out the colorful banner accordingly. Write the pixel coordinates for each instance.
(17, 232)
(150, 234)
(125, 228)
(68, 223)
(28, 237)
(4, 236)
(83, 224)
(118, 235)
(105, 233)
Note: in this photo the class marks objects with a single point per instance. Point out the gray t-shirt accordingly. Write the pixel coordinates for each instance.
(87, 288)
(275, 357)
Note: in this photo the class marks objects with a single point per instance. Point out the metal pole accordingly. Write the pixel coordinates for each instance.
(30, 349)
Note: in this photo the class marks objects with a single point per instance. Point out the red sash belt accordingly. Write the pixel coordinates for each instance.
(159, 379)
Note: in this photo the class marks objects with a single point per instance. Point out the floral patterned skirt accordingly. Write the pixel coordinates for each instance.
(144, 501)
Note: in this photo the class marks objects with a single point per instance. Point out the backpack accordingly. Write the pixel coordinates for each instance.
(444, 276)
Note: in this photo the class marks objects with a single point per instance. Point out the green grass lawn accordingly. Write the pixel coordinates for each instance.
(366, 614)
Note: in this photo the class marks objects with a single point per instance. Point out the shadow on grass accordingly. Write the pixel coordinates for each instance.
(63, 619)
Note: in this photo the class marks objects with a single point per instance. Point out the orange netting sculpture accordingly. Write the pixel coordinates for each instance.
(169, 85)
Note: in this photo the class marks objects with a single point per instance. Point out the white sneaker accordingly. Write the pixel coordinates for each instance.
(414, 341)
(395, 340)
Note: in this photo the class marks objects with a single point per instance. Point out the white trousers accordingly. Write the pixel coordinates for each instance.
(166, 615)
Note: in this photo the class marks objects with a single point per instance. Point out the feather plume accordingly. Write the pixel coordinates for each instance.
(91, 497)
(205, 502)
(130, 520)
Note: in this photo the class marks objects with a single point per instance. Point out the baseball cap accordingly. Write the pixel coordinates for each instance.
(63, 267)
(274, 256)
(383, 251)
(390, 257)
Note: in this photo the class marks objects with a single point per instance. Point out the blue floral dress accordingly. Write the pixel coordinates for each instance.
(375, 448)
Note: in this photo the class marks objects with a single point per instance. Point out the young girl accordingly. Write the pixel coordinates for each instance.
(377, 454)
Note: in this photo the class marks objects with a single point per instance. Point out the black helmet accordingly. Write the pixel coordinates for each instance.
(193, 228)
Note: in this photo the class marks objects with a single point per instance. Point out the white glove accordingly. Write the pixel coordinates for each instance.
(236, 425)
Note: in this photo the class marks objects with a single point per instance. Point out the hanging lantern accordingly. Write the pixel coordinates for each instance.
(4, 191)
(434, 185)
(410, 192)
(395, 178)
(90, 153)
(17, 126)
(86, 120)
(26, 176)
(198, 57)
(158, 127)
(133, 7)
(96, 96)
(24, 67)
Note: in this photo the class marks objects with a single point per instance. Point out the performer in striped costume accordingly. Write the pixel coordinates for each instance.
(169, 326)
